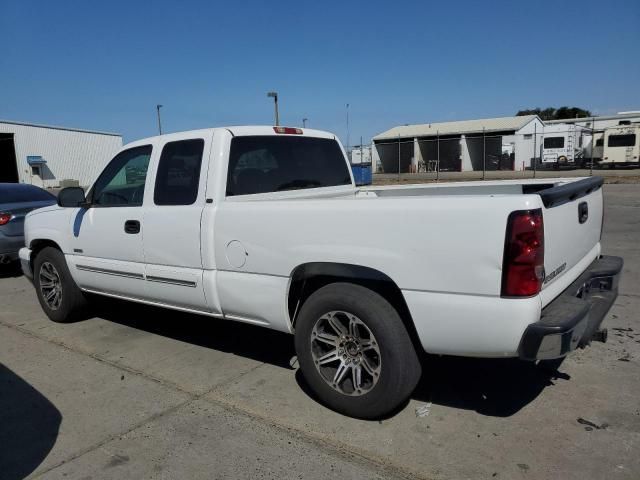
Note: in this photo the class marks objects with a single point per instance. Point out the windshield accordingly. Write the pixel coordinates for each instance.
(261, 164)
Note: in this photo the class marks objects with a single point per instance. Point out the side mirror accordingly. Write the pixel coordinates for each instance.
(71, 197)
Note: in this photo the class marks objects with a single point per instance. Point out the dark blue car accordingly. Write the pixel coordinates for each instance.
(16, 200)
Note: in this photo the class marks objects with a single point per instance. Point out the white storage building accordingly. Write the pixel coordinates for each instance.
(45, 156)
(505, 143)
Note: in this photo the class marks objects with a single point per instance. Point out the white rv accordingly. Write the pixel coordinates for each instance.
(621, 145)
(565, 145)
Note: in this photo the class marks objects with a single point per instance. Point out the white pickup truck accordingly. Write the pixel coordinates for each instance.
(264, 225)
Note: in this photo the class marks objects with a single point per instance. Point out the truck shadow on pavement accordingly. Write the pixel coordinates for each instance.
(491, 387)
(29, 425)
(496, 387)
(250, 341)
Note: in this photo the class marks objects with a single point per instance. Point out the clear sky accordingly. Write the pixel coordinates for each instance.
(105, 65)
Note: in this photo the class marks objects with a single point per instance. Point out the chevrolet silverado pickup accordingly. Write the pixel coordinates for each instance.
(264, 225)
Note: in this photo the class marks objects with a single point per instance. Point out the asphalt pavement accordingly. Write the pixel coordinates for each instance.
(140, 392)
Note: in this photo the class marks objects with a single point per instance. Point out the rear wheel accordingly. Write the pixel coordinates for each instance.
(58, 294)
(355, 352)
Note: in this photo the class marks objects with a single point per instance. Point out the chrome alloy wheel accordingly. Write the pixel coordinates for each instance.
(50, 285)
(345, 353)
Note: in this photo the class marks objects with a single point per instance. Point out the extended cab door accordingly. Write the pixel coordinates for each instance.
(172, 220)
(106, 238)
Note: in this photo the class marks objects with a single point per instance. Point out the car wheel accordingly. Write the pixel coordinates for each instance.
(58, 294)
(354, 351)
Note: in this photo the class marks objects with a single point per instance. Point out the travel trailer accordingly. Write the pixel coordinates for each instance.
(621, 146)
(565, 145)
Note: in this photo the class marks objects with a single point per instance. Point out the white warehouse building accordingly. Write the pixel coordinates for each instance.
(505, 143)
(48, 156)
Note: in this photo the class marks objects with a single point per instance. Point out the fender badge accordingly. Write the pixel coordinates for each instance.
(555, 273)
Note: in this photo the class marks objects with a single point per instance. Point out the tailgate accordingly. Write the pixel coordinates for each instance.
(572, 224)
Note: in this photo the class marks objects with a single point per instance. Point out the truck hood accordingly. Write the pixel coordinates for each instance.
(50, 208)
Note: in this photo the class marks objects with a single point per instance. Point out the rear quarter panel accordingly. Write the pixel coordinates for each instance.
(440, 244)
(445, 253)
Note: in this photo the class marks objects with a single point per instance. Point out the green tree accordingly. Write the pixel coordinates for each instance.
(571, 112)
(551, 113)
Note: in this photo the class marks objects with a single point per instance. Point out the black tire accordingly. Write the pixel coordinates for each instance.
(399, 366)
(73, 303)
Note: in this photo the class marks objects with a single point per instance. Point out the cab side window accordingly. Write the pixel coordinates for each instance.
(121, 184)
(178, 174)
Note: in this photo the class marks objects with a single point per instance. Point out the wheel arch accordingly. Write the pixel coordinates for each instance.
(39, 244)
(309, 277)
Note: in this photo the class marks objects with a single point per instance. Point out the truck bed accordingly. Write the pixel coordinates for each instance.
(493, 187)
(571, 242)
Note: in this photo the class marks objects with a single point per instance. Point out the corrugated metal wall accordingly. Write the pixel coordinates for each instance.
(69, 154)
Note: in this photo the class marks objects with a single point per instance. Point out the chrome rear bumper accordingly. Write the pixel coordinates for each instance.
(573, 318)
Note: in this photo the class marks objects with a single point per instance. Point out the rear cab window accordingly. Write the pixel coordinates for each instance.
(268, 163)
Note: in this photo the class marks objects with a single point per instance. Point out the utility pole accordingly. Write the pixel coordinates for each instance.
(535, 140)
(399, 156)
(274, 95)
(593, 143)
(304, 122)
(347, 127)
(438, 156)
(158, 107)
(484, 154)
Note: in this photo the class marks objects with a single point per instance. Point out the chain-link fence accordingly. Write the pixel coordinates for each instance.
(551, 147)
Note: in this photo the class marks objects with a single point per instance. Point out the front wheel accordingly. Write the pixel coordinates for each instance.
(354, 351)
(58, 294)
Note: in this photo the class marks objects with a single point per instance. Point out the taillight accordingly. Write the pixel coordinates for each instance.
(523, 264)
(4, 218)
(288, 130)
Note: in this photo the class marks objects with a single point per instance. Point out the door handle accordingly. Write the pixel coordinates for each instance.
(132, 226)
